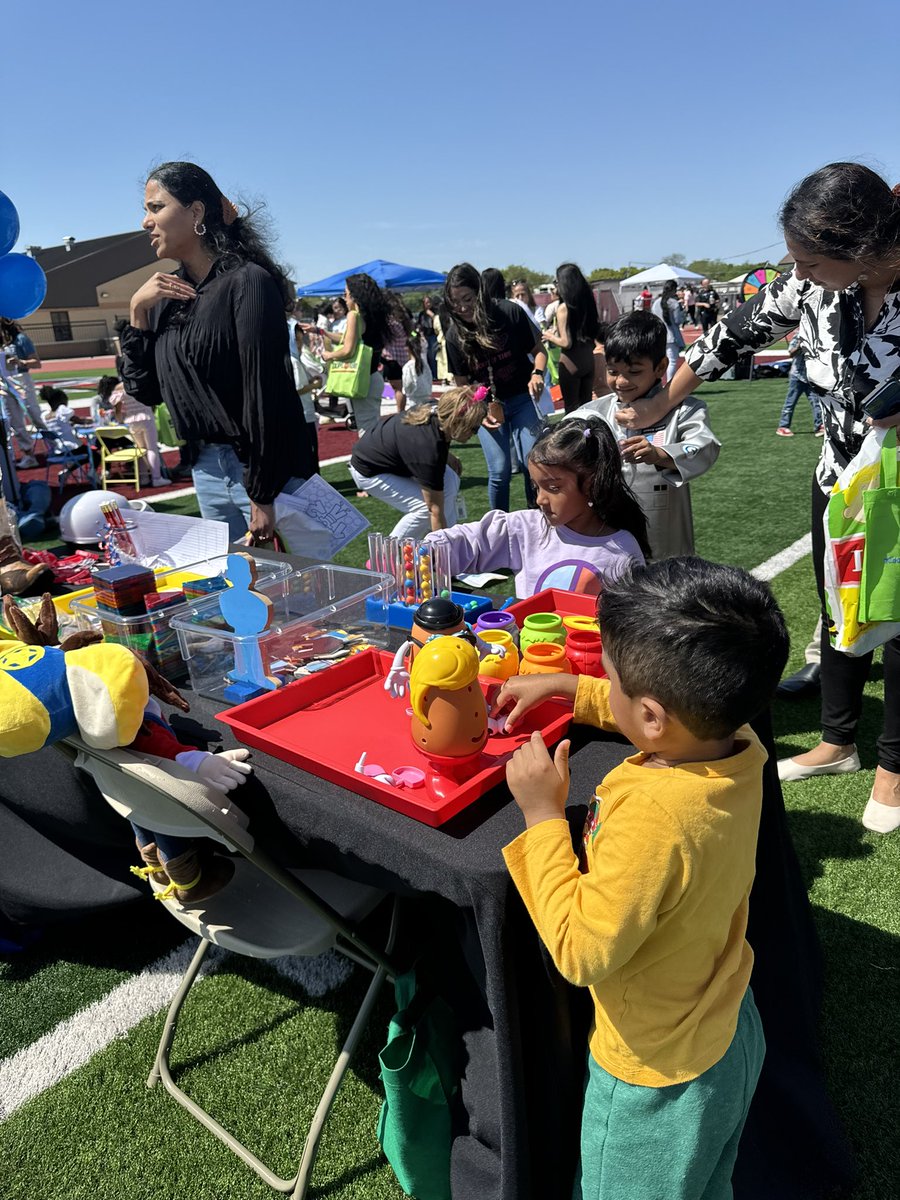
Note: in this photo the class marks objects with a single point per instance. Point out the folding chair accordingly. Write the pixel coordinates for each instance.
(263, 912)
(112, 454)
(72, 463)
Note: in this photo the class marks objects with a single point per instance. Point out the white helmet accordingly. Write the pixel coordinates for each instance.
(81, 520)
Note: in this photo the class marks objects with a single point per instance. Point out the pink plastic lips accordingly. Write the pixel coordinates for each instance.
(410, 777)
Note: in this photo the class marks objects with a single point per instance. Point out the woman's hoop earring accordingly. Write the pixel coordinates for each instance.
(199, 228)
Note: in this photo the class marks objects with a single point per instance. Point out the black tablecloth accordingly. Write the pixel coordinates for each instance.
(524, 1030)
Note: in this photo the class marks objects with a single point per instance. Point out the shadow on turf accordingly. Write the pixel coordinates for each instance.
(820, 836)
(862, 992)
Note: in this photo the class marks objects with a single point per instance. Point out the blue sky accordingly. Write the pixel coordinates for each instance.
(431, 133)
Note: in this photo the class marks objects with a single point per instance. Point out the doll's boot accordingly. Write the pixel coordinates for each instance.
(193, 879)
(152, 870)
(17, 576)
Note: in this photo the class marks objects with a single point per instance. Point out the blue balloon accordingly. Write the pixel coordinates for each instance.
(23, 286)
(9, 224)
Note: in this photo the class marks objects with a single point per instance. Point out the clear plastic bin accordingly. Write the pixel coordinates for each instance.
(306, 608)
(143, 631)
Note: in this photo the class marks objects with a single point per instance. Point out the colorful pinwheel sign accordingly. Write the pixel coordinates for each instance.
(755, 281)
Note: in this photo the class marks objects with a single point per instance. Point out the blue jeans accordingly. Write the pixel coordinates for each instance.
(218, 478)
(798, 387)
(168, 847)
(521, 428)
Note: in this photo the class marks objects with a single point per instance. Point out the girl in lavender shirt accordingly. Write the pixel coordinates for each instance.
(586, 528)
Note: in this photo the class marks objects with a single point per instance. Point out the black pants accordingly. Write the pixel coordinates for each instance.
(708, 318)
(576, 375)
(844, 677)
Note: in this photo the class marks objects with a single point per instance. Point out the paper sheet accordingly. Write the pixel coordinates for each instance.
(324, 520)
(481, 580)
(168, 540)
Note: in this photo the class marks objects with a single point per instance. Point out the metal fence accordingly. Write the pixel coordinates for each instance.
(49, 333)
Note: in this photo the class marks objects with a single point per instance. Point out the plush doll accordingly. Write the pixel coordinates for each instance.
(106, 694)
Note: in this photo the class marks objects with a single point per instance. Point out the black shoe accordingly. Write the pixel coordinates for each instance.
(804, 682)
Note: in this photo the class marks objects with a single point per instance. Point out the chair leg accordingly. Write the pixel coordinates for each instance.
(161, 1062)
(311, 1147)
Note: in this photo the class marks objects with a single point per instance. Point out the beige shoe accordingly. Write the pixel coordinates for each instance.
(880, 818)
(789, 770)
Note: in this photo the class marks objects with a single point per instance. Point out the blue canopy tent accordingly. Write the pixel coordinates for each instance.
(386, 274)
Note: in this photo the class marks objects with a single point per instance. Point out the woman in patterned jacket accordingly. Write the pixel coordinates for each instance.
(842, 228)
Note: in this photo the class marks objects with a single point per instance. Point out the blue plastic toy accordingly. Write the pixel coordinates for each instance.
(249, 614)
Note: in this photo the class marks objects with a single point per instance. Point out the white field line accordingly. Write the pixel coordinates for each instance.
(784, 558)
(76, 1040)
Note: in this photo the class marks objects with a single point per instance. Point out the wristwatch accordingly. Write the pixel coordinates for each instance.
(537, 372)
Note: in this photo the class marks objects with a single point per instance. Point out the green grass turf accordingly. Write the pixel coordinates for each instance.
(99, 1134)
(47, 375)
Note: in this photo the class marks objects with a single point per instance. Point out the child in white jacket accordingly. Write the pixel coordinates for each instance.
(657, 461)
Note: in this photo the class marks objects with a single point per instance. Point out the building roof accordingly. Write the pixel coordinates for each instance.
(74, 275)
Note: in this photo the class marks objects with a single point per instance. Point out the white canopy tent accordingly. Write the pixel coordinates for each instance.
(653, 278)
(659, 275)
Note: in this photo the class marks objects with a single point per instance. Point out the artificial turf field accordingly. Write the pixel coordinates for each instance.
(96, 1133)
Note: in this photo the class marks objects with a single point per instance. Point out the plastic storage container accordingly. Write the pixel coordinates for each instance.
(308, 607)
(141, 632)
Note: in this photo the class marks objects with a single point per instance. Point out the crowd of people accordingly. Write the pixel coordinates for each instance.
(653, 921)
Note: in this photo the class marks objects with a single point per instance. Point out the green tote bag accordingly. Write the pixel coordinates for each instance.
(879, 589)
(420, 1074)
(350, 377)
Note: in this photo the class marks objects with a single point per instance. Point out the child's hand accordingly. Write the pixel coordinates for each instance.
(523, 692)
(538, 783)
(639, 450)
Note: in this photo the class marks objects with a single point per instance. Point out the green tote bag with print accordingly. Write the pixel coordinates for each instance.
(879, 589)
(350, 377)
(420, 1074)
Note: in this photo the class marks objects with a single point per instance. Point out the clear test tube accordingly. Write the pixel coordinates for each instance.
(440, 569)
(409, 593)
(376, 551)
(392, 565)
(424, 572)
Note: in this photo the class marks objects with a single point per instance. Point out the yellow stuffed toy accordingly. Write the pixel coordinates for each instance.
(46, 693)
(102, 692)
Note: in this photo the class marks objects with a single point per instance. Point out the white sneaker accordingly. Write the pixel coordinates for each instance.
(789, 770)
(26, 462)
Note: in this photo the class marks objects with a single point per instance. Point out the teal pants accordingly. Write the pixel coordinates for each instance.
(670, 1143)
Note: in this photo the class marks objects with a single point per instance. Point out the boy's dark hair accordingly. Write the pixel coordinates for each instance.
(636, 335)
(706, 640)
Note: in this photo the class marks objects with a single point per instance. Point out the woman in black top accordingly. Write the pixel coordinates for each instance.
(577, 327)
(210, 340)
(494, 342)
(405, 461)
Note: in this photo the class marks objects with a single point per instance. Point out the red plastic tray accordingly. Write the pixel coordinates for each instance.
(567, 604)
(324, 722)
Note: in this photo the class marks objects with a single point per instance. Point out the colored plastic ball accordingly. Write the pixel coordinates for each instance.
(23, 286)
(9, 224)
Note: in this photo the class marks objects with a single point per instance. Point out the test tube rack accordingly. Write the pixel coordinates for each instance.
(420, 571)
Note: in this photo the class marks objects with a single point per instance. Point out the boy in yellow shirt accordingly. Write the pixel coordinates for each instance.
(655, 925)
